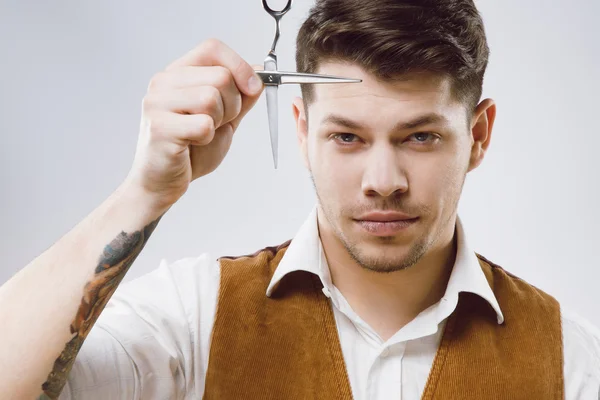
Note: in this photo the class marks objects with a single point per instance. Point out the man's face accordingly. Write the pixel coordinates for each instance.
(378, 148)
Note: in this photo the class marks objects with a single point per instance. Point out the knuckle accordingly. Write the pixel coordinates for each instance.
(157, 81)
(242, 68)
(211, 45)
(205, 130)
(212, 92)
(232, 112)
(148, 102)
(211, 101)
(223, 78)
(237, 104)
(209, 124)
(156, 127)
(217, 99)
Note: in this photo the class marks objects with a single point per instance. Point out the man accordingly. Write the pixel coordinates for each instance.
(378, 296)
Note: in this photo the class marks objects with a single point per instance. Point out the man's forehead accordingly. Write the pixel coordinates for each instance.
(420, 86)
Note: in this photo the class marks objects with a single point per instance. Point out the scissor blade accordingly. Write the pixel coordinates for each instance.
(297, 77)
(281, 78)
(272, 105)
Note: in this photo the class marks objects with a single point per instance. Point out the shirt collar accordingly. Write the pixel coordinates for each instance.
(305, 254)
(467, 275)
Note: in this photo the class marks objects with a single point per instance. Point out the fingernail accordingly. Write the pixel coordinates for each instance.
(254, 84)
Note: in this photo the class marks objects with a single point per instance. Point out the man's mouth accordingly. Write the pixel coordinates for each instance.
(385, 216)
(385, 223)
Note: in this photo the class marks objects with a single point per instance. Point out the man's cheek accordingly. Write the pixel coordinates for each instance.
(431, 189)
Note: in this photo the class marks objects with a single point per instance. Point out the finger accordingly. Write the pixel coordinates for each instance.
(190, 100)
(197, 129)
(190, 76)
(213, 52)
(205, 159)
(247, 104)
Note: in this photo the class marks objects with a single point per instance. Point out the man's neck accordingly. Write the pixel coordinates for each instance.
(389, 301)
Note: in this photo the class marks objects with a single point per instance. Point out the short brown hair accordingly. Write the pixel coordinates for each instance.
(389, 38)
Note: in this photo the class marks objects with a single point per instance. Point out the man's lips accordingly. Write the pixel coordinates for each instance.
(385, 216)
(388, 223)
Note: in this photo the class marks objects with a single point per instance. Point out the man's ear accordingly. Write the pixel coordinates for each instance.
(301, 127)
(481, 131)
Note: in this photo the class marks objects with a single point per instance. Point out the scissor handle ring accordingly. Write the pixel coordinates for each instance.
(277, 14)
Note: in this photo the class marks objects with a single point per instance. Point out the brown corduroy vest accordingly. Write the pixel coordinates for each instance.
(287, 346)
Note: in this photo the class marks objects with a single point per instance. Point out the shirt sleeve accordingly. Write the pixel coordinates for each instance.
(581, 342)
(146, 343)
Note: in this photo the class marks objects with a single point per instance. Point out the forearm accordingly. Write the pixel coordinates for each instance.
(48, 308)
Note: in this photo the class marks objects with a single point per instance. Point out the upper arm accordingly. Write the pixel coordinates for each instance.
(143, 345)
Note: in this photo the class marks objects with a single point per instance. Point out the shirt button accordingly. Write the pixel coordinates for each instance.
(385, 352)
(326, 292)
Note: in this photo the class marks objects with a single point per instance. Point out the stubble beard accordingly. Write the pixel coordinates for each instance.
(380, 264)
(386, 264)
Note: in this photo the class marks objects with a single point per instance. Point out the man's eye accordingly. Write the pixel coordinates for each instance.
(424, 137)
(346, 137)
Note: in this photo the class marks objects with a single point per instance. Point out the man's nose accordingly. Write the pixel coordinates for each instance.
(384, 174)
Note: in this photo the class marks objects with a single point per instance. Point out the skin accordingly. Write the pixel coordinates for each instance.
(116, 259)
(364, 161)
(190, 114)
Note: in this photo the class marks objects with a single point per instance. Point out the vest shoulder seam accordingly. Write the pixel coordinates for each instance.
(273, 250)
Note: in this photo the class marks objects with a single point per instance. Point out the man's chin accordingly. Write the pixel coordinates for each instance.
(380, 258)
(398, 244)
(385, 265)
(384, 254)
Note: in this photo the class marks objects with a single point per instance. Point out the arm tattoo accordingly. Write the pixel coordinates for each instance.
(112, 267)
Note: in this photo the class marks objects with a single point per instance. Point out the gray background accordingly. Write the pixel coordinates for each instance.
(73, 74)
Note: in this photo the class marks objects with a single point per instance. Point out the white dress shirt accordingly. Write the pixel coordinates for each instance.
(152, 341)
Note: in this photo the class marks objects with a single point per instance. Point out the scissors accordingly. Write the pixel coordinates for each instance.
(273, 78)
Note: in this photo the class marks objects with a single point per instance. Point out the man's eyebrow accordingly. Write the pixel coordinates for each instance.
(422, 120)
(342, 121)
(426, 119)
